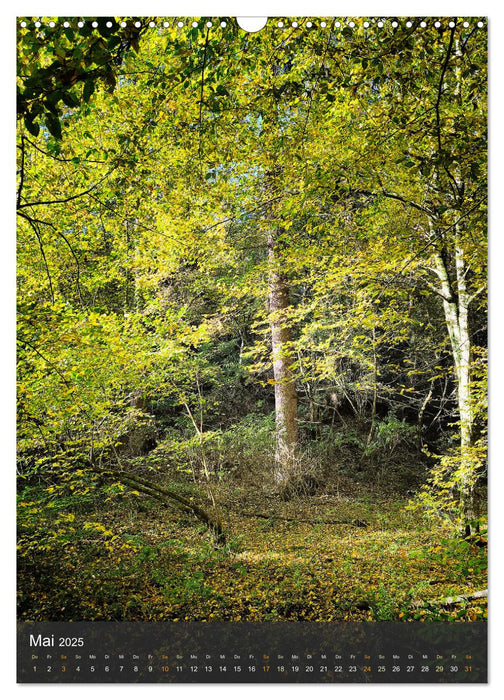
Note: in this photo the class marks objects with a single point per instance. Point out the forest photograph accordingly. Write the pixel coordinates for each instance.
(251, 319)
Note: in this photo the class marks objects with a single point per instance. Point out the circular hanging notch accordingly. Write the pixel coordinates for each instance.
(251, 24)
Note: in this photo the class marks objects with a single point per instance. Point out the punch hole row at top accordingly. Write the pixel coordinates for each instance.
(255, 24)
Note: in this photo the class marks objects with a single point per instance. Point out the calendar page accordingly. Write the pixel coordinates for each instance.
(252, 349)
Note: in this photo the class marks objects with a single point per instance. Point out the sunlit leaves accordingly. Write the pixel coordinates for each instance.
(153, 167)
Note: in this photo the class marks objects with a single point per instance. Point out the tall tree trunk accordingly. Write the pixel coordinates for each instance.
(456, 312)
(464, 391)
(285, 391)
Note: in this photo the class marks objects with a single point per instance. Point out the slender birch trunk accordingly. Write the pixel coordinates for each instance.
(456, 311)
(464, 391)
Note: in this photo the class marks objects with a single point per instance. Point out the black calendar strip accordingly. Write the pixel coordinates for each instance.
(252, 653)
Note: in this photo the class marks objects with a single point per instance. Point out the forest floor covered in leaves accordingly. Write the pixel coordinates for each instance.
(336, 555)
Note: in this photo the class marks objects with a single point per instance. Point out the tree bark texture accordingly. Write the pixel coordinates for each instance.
(456, 311)
(285, 391)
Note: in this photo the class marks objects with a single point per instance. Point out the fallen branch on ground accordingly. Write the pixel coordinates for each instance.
(447, 602)
(271, 516)
(161, 493)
